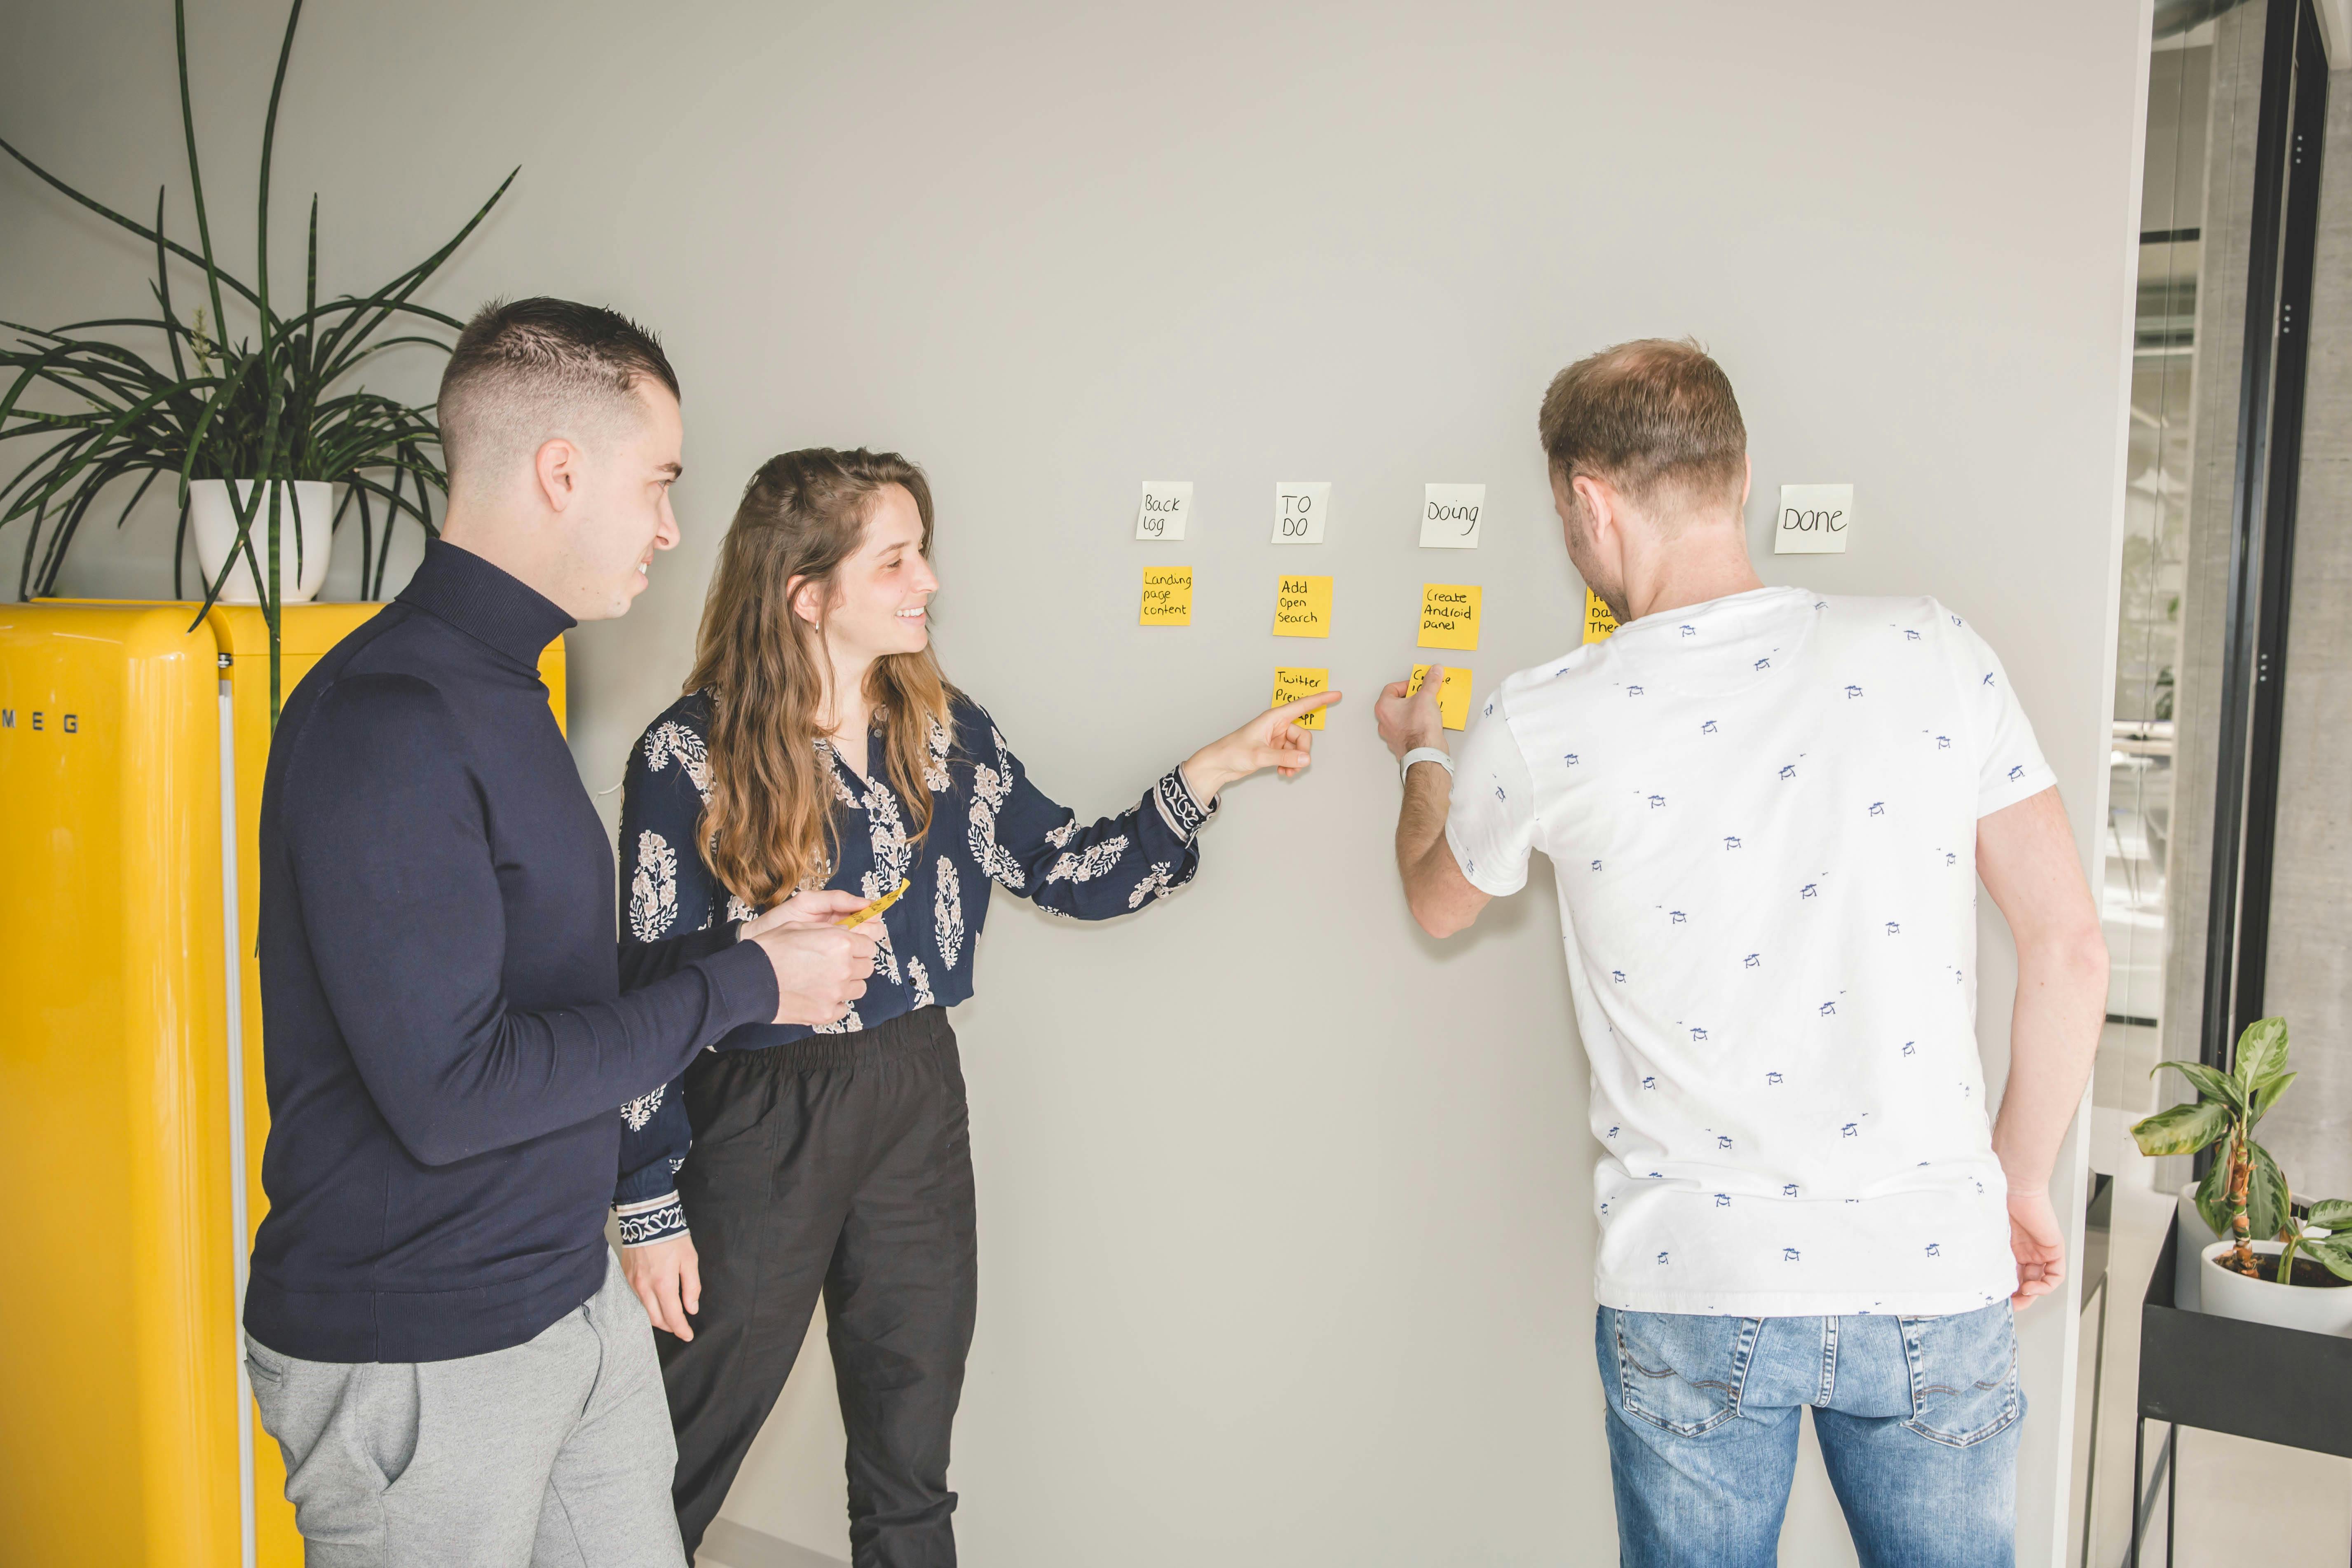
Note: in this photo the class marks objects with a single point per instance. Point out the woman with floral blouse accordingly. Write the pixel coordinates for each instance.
(818, 746)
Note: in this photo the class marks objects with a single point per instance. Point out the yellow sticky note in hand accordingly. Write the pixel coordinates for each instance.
(1449, 617)
(1167, 597)
(1296, 685)
(1598, 622)
(1453, 697)
(1302, 607)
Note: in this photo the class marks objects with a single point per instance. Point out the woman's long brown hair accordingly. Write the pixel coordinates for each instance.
(768, 827)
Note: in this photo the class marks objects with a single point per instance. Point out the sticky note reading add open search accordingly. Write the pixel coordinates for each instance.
(1167, 597)
(1449, 616)
(1302, 607)
(1453, 697)
(1296, 685)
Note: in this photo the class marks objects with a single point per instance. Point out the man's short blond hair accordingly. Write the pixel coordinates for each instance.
(1655, 418)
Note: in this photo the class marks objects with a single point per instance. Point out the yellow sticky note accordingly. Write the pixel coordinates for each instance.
(1302, 607)
(1167, 597)
(1453, 697)
(1292, 685)
(1598, 622)
(1449, 616)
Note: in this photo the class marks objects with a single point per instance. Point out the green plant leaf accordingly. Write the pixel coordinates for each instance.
(2333, 1253)
(2335, 1214)
(2268, 1207)
(2213, 1198)
(2261, 1051)
(2181, 1129)
(2212, 1082)
(2266, 1092)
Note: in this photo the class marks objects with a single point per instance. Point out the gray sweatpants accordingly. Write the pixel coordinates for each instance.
(555, 1452)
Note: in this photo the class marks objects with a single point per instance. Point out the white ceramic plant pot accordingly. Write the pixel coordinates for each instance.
(2314, 1308)
(306, 521)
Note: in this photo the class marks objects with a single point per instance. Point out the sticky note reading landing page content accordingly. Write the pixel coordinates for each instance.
(1167, 597)
(1449, 616)
(1302, 607)
(1295, 685)
(1453, 697)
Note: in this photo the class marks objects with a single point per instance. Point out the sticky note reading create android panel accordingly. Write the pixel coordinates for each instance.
(1449, 516)
(1294, 685)
(1302, 607)
(1449, 616)
(1166, 504)
(1300, 508)
(1453, 697)
(1167, 597)
(1598, 622)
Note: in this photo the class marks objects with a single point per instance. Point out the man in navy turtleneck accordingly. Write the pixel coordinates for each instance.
(438, 1334)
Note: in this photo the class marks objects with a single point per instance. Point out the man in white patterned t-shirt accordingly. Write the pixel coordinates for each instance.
(1768, 811)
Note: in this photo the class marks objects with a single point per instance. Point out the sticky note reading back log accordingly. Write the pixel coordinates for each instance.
(1300, 508)
(1453, 697)
(1294, 685)
(1449, 516)
(1167, 597)
(1449, 616)
(1166, 504)
(1302, 607)
(1598, 622)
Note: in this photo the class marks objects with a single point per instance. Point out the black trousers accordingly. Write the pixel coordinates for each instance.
(842, 1162)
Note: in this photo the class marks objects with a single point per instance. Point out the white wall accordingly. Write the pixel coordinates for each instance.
(1285, 1208)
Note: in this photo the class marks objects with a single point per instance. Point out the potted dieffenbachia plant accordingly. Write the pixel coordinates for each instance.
(250, 414)
(2272, 1264)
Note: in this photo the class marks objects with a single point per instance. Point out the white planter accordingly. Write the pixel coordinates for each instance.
(2229, 1294)
(306, 520)
(2188, 1272)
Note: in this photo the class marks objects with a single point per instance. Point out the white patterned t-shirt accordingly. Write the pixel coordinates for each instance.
(1762, 815)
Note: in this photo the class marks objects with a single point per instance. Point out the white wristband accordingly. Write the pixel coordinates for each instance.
(1423, 755)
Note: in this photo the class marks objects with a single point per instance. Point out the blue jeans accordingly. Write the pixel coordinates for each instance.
(1918, 1419)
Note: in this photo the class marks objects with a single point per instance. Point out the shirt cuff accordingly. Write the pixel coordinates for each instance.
(656, 1219)
(1183, 813)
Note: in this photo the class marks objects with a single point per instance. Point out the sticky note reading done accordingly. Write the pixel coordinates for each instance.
(1598, 622)
(1449, 616)
(1294, 685)
(1167, 597)
(1453, 697)
(1302, 607)
(1166, 504)
(1449, 516)
(1813, 520)
(1300, 506)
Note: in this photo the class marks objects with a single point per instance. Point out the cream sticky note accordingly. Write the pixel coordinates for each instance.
(1166, 504)
(1598, 620)
(1453, 697)
(1167, 597)
(1449, 516)
(1301, 507)
(1302, 607)
(1813, 521)
(1292, 685)
(1449, 616)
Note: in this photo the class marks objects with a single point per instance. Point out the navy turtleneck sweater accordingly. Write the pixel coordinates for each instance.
(444, 1030)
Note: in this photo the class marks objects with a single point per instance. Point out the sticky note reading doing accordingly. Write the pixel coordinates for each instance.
(1449, 616)
(1598, 622)
(1300, 509)
(1302, 607)
(1453, 697)
(1167, 597)
(1166, 504)
(1449, 516)
(1292, 685)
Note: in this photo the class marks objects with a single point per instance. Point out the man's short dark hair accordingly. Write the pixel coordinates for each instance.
(1653, 417)
(526, 371)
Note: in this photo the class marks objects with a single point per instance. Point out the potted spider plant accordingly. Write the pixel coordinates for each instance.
(2274, 1264)
(252, 410)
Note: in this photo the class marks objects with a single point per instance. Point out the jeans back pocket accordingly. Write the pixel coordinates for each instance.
(1963, 1369)
(1679, 1371)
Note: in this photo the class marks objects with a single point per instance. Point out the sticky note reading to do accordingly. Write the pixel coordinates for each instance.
(1294, 685)
(1598, 622)
(1166, 504)
(1300, 508)
(1449, 516)
(1449, 616)
(1302, 607)
(1453, 697)
(1167, 597)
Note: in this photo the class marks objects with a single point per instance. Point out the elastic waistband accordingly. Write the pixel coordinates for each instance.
(906, 1034)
